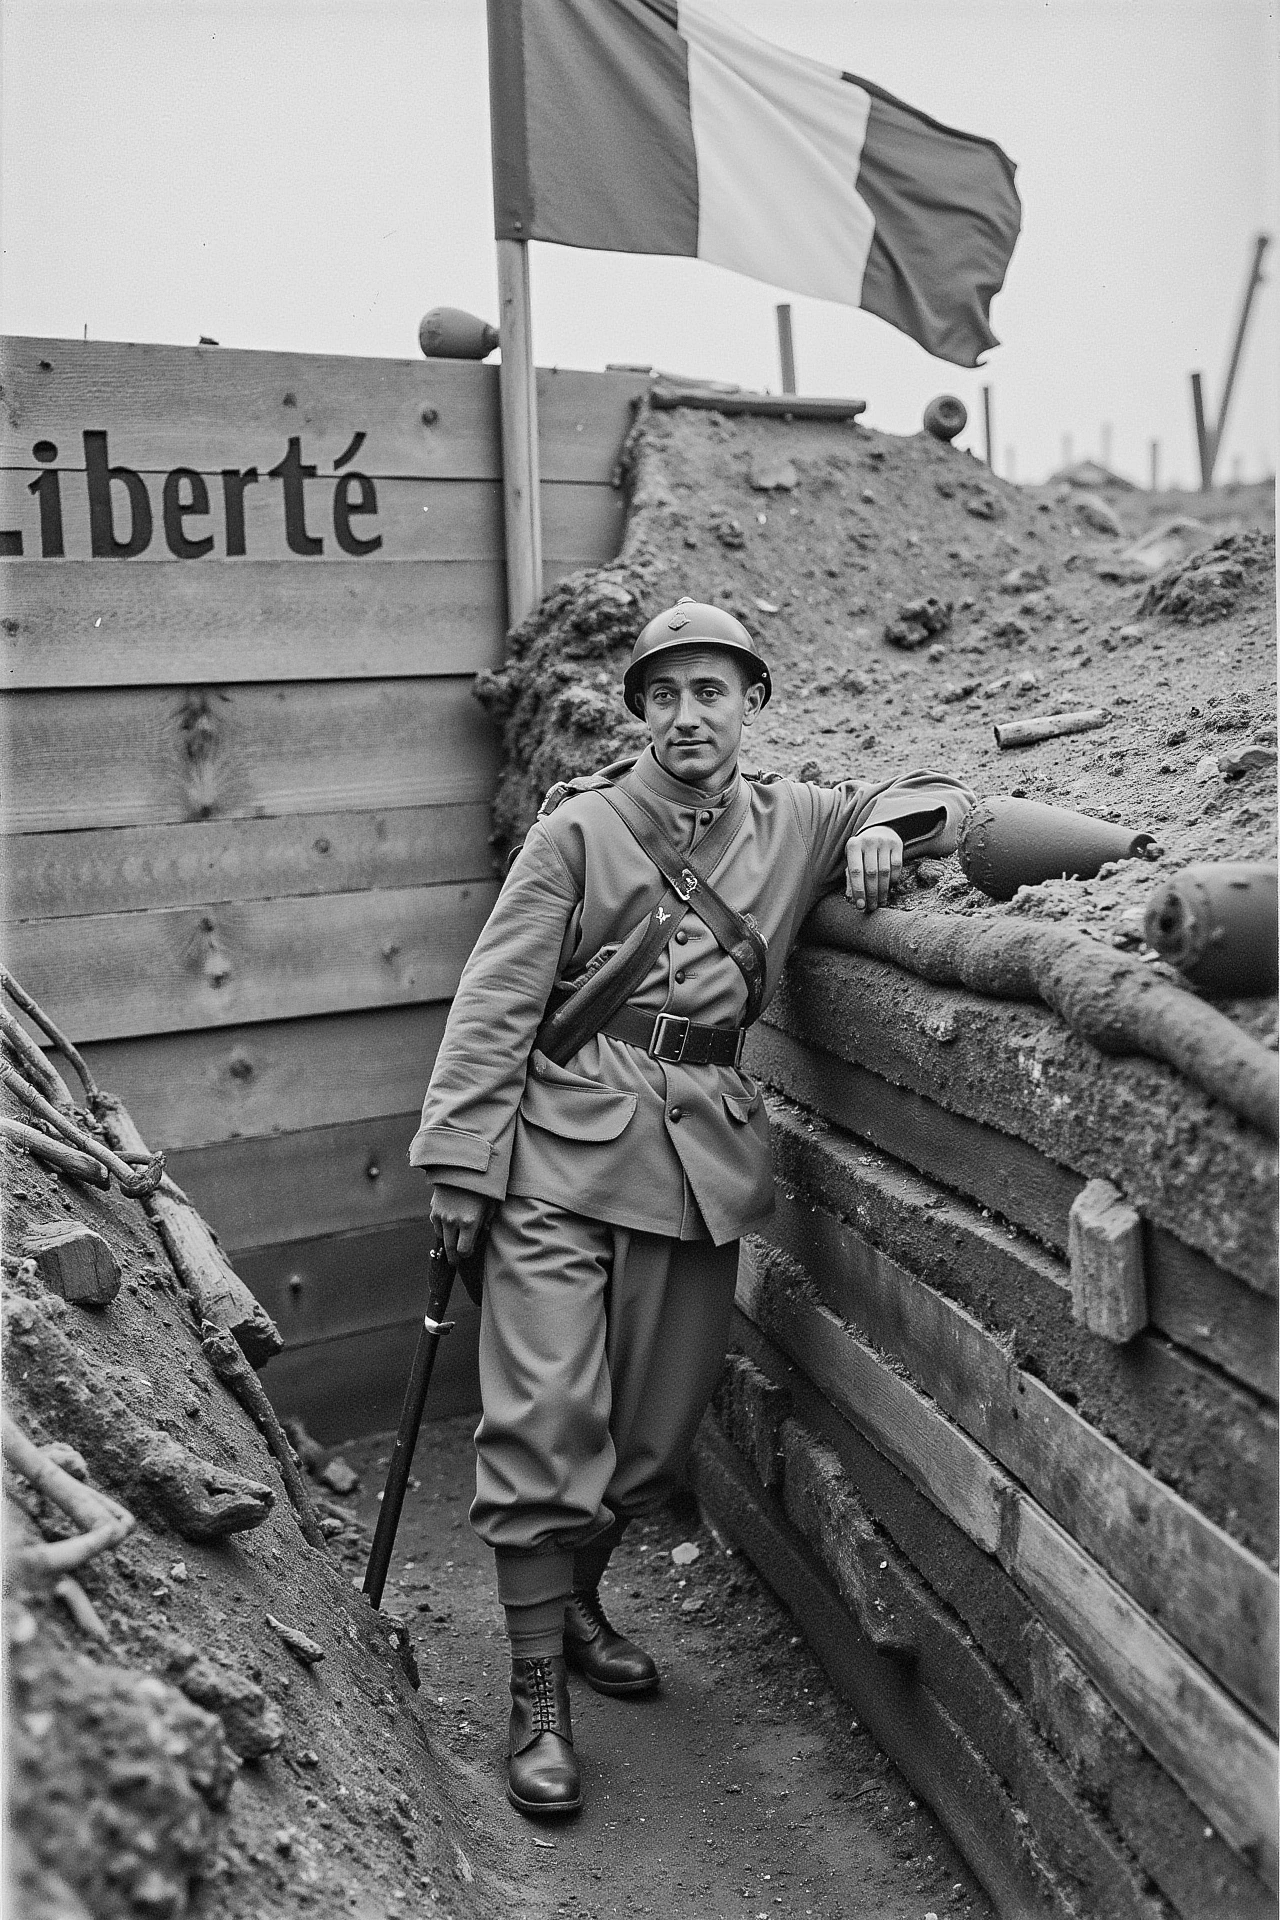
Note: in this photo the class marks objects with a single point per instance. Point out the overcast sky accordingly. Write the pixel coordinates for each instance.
(299, 174)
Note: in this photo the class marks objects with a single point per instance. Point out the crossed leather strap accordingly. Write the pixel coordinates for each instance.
(590, 1006)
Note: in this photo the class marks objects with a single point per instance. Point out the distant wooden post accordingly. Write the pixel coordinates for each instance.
(1209, 439)
(1204, 439)
(786, 349)
(517, 387)
(1155, 466)
(987, 424)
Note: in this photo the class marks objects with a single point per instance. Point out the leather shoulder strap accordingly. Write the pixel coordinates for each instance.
(689, 880)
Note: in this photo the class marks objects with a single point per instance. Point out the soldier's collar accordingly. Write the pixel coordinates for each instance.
(654, 775)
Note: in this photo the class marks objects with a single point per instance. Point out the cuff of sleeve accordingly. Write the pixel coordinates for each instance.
(450, 1147)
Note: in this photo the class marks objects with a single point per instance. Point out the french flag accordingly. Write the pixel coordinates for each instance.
(660, 126)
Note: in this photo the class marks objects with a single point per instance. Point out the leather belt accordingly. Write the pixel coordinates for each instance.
(670, 1037)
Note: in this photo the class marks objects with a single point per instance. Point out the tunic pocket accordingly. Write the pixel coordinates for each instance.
(573, 1107)
(741, 1106)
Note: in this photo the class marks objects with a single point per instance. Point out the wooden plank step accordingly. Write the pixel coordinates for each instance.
(165, 407)
(189, 1090)
(1192, 1301)
(118, 757)
(316, 1180)
(174, 968)
(1192, 1866)
(1220, 1756)
(129, 869)
(1213, 1596)
(411, 519)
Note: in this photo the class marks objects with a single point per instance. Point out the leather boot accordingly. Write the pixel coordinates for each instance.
(607, 1661)
(542, 1772)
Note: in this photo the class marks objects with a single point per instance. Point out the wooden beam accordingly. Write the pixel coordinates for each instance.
(521, 493)
(122, 757)
(115, 974)
(190, 1090)
(315, 1180)
(1216, 1752)
(126, 869)
(164, 407)
(1208, 1591)
(373, 1366)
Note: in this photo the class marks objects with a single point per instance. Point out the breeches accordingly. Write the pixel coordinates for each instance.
(599, 1350)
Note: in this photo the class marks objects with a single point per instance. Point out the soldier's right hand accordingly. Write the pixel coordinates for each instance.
(458, 1215)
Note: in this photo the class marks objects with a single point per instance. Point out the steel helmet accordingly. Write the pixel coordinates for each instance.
(691, 623)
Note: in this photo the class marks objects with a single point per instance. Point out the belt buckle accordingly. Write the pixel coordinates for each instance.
(658, 1039)
(686, 885)
(742, 1041)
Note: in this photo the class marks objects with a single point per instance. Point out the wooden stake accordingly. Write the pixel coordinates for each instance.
(987, 424)
(1155, 466)
(517, 386)
(1204, 439)
(786, 349)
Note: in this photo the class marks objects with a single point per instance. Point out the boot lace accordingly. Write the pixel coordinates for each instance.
(543, 1717)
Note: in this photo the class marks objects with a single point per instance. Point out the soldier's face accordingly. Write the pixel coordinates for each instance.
(696, 702)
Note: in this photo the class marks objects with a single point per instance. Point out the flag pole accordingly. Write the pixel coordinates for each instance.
(517, 387)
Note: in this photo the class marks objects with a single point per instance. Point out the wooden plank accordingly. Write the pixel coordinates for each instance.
(1194, 1302)
(1215, 1751)
(1210, 1593)
(113, 974)
(165, 407)
(188, 1090)
(335, 1284)
(1165, 1831)
(297, 1185)
(126, 869)
(996, 1170)
(957, 1473)
(83, 623)
(1162, 1405)
(908, 1722)
(414, 520)
(374, 1370)
(118, 757)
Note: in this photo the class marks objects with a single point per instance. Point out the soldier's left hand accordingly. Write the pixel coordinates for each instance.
(873, 863)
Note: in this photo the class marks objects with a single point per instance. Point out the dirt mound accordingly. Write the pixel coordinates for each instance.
(171, 1752)
(1211, 585)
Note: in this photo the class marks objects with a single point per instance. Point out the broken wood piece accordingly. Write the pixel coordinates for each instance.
(1048, 726)
(231, 1367)
(309, 1451)
(159, 1477)
(31, 1058)
(215, 1289)
(1108, 1282)
(80, 1607)
(300, 1645)
(21, 998)
(55, 1153)
(103, 1521)
(73, 1262)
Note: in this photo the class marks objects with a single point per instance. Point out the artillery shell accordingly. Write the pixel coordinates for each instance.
(1007, 844)
(1217, 923)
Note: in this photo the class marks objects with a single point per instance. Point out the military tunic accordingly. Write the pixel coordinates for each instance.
(618, 1159)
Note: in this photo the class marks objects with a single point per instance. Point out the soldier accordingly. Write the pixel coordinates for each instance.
(621, 1164)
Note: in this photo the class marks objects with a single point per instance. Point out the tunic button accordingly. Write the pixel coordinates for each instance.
(681, 937)
(680, 977)
(706, 818)
(675, 1113)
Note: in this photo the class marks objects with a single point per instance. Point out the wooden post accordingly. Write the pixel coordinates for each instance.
(1204, 440)
(987, 425)
(786, 350)
(1260, 245)
(1155, 466)
(517, 386)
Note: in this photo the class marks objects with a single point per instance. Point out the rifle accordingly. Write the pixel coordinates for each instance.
(440, 1277)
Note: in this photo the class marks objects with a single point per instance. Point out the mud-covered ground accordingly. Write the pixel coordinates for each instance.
(743, 1788)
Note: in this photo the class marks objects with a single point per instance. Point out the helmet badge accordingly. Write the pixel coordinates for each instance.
(677, 621)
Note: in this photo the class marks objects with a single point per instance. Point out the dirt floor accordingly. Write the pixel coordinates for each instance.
(743, 1788)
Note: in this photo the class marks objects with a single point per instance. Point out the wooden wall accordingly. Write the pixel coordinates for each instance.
(1040, 1565)
(247, 788)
